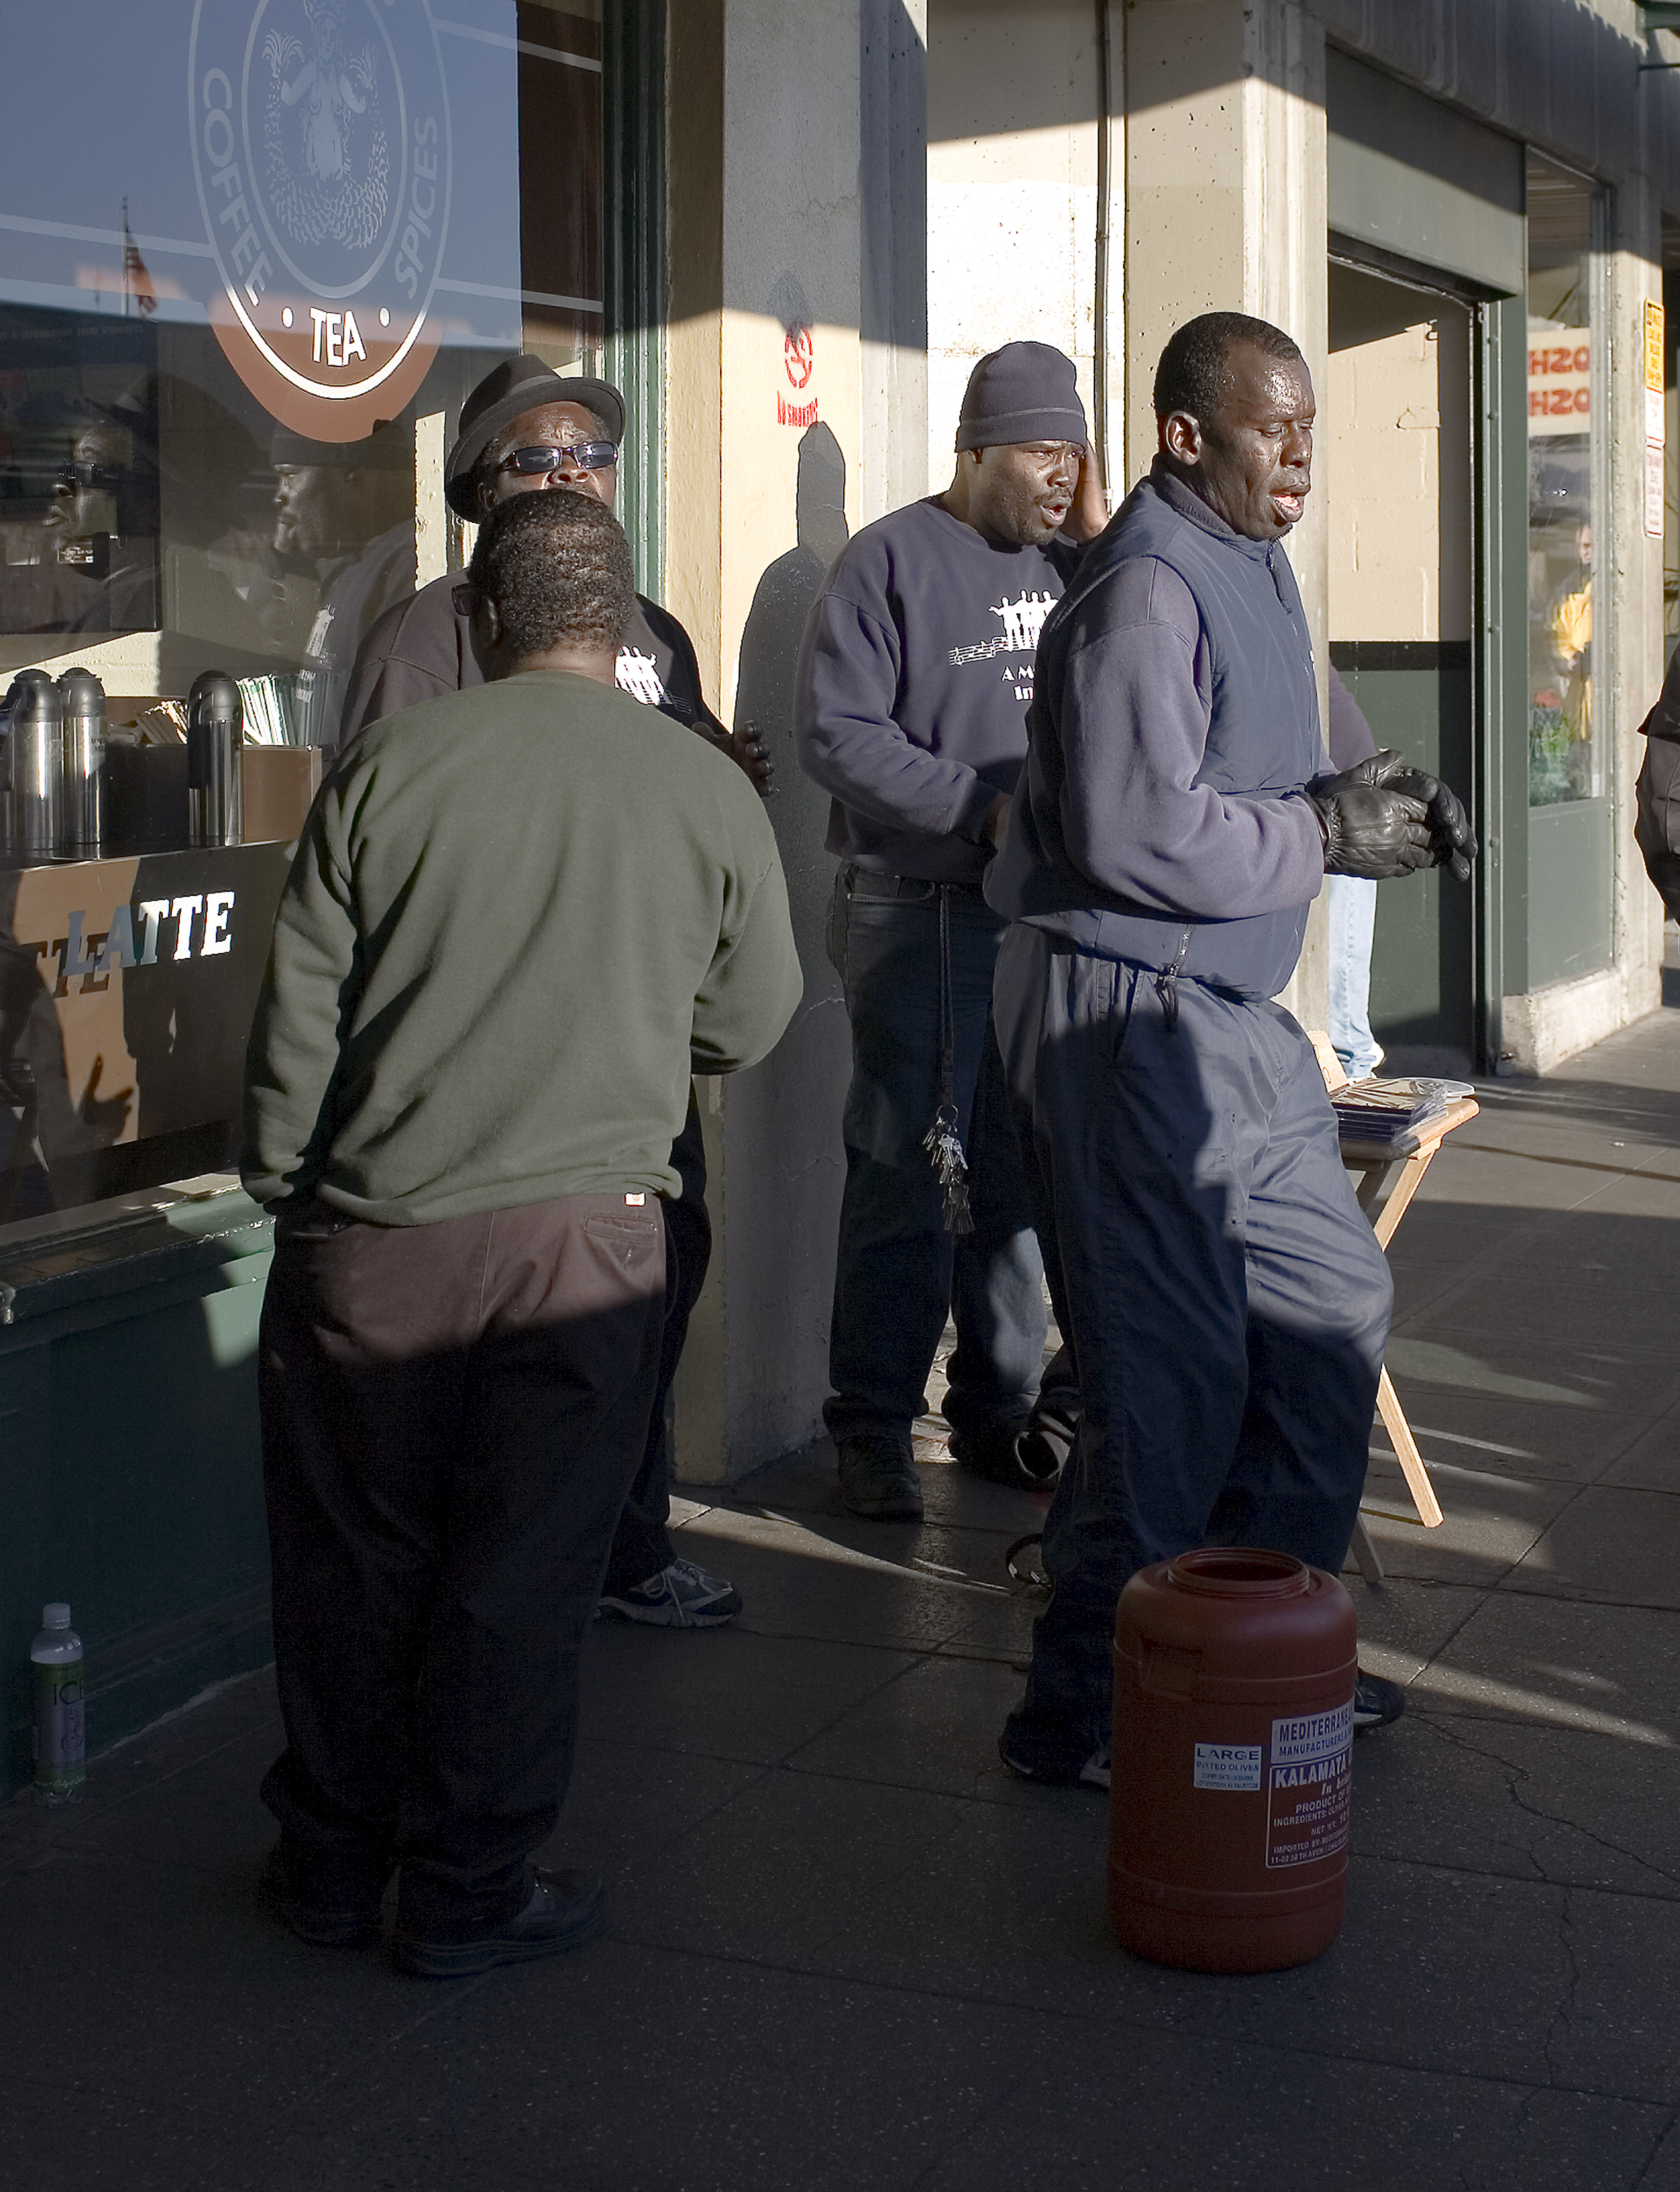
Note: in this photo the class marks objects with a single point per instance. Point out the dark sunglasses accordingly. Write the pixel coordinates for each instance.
(584, 456)
(464, 598)
(74, 472)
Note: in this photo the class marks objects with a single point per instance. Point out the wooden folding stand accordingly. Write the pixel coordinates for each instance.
(1386, 1175)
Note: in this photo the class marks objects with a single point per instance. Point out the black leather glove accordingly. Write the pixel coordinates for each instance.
(1452, 841)
(1368, 830)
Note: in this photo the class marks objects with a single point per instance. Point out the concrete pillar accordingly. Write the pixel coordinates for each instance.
(1012, 167)
(796, 408)
(1225, 210)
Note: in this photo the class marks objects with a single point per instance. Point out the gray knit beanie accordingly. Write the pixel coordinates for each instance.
(1027, 392)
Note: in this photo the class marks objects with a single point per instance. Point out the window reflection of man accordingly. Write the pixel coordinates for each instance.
(346, 512)
(99, 524)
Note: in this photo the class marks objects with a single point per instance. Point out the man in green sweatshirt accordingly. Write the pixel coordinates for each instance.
(520, 915)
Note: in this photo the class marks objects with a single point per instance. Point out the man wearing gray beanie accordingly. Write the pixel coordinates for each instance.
(914, 678)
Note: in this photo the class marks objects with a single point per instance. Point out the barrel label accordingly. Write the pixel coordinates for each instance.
(1229, 1765)
(1311, 1780)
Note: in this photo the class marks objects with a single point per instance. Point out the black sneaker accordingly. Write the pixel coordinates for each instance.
(565, 1909)
(1045, 1445)
(1376, 1702)
(322, 1924)
(681, 1596)
(1050, 1758)
(996, 1454)
(878, 1477)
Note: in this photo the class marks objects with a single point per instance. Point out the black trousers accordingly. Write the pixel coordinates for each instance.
(452, 1414)
(641, 1544)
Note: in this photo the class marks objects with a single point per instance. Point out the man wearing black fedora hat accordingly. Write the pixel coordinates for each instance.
(523, 429)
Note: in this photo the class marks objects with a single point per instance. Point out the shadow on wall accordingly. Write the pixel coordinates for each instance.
(781, 1126)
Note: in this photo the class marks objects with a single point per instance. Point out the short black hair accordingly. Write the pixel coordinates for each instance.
(558, 568)
(1194, 374)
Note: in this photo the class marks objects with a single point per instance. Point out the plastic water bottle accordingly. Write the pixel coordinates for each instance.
(60, 1726)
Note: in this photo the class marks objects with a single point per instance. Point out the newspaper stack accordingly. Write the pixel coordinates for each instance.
(1373, 1111)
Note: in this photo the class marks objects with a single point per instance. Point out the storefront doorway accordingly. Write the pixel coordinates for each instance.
(1396, 458)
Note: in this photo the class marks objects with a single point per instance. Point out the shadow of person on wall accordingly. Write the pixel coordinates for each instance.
(784, 1115)
(770, 643)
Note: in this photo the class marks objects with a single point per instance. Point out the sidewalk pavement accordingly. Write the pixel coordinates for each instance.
(849, 1952)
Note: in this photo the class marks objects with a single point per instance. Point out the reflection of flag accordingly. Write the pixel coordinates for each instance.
(136, 281)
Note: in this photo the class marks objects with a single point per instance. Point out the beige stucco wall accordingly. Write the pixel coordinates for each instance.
(1012, 209)
(765, 359)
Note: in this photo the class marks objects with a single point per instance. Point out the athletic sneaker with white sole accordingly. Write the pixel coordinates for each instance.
(681, 1596)
(1376, 1702)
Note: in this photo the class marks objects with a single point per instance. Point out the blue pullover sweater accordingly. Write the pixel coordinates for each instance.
(913, 679)
(1159, 818)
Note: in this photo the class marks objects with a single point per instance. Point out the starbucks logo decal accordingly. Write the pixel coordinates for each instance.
(321, 149)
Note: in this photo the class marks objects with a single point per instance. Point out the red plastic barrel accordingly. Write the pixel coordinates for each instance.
(1234, 1731)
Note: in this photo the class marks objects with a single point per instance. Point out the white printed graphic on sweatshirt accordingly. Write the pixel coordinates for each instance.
(634, 673)
(1024, 620)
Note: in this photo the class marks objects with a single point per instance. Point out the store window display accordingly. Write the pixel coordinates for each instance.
(1567, 761)
(232, 331)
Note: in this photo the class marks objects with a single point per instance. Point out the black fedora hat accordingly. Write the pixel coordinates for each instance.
(518, 385)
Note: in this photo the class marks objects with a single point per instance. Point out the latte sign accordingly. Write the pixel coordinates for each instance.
(321, 146)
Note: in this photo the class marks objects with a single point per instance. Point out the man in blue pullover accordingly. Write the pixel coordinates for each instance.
(914, 680)
(1228, 1302)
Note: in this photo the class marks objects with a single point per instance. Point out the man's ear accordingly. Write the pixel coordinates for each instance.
(482, 495)
(1182, 437)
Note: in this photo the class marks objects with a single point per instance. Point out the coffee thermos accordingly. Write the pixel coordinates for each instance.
(84, 771)
(215, 733)
(35, 779)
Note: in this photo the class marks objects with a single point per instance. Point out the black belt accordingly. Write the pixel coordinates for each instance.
(862, 883)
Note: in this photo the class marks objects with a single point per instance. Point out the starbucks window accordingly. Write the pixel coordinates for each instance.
(241, 303)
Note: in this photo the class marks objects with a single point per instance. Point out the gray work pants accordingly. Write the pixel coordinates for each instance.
(1228, 1302)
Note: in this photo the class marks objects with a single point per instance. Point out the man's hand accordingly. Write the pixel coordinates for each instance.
(1452, 842)
(1368, 830)
(748, 753)
(1089, 513)
(997, 822)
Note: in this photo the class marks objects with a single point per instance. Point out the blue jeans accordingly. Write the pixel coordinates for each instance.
(1350, 902)
(899, 1273)
(1227, 1300)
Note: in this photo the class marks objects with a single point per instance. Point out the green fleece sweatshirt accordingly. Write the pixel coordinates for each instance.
(519, 914)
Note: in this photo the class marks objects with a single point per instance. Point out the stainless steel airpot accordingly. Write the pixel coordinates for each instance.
(84, 748)
(35, 788)
(215, 733)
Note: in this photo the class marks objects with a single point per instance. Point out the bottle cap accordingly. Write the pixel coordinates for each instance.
(55, 1616)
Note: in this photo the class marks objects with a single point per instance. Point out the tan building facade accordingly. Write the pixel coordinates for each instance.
(1424, 198)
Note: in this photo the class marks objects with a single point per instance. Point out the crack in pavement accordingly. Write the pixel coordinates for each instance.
(1563, 2015)
(1517, 1778)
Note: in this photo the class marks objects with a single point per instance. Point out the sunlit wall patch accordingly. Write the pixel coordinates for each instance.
(321, 146)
